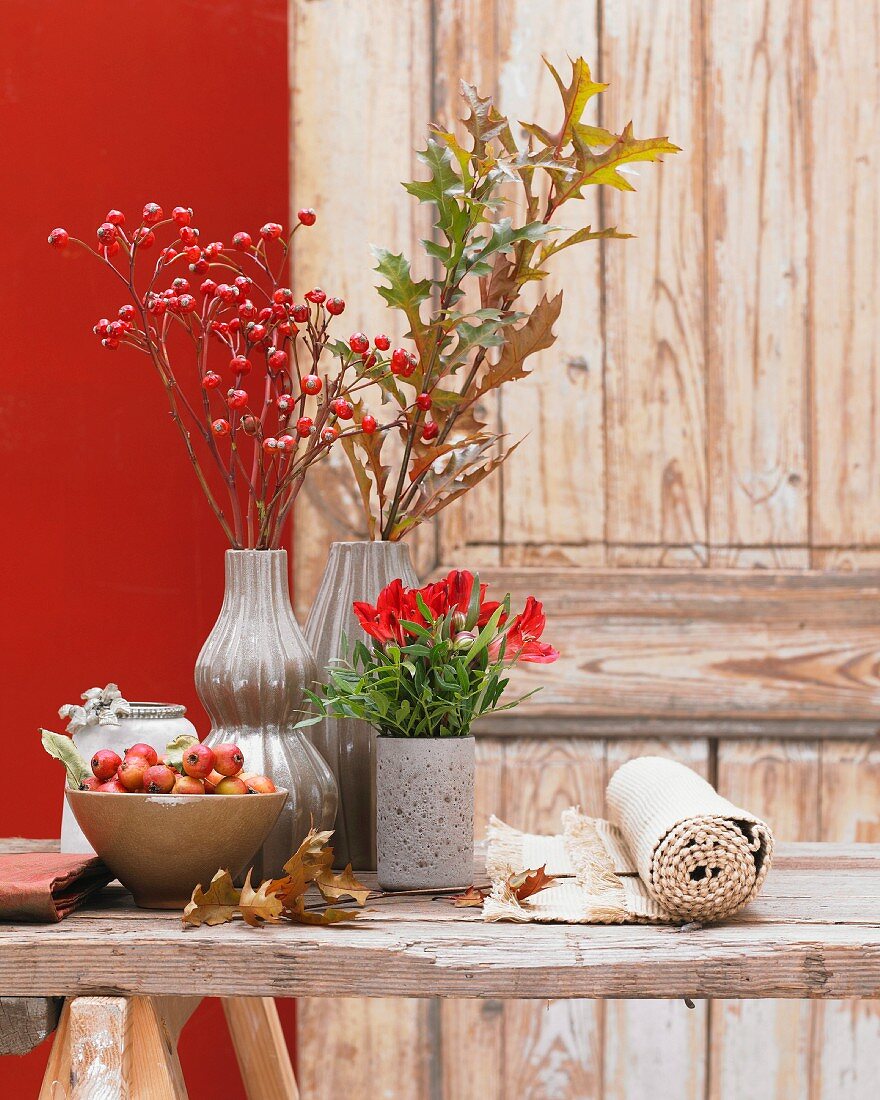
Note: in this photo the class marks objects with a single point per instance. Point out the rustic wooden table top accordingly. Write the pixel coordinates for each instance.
(814, 932)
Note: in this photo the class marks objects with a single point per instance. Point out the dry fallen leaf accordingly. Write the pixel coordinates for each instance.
(530, 882)
(473, 896)
(258, 907)
(341, 885)
(216, 905)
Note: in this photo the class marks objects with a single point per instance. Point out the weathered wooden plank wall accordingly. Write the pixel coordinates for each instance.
(712, 403)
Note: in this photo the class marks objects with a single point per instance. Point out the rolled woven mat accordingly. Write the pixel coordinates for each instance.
(674, 850)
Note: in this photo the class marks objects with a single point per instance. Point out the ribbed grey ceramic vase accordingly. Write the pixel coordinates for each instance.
(250, 677)
(355, 571)
(425, 818)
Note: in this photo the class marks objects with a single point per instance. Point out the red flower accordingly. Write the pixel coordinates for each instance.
(523, 637)
(382, 622)
(459, 589)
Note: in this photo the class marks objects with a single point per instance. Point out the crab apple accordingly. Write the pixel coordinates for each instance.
(236, 399)
(307, 216)
(304, 426)
(229, 759)
(368, 424)
(115, 217)
(220, 427)
(430, 430)
(182, 215)
(112, 786)
(131, 772)
(242, 241)
(231, 784)
(381, 341)
(240, 365)
(259, 784)
(188, 784)
(335, 306)
(424, 401)
(300, 313)
(316, 295)
(211, 781)
(145, 238)
(311, 384)
(329, 434)
(58, 238)
(104, 764)
(144, 750)
(90, 783)
(211, 380)
(277, 360)
(344, 410)
(286, 443)
(198, 760)
(159, 779)
(152, 213)
(285, 402)
(358, 342)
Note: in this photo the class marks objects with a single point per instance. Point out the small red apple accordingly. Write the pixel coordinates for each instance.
(231, 784)
(228, 759)
(260, 784)
(90, 783)
(104, 764)
(113, 786)
(198, 761)
(211, 782)
(159, 780)
(146, 752)
(131, 771)
(187, 784)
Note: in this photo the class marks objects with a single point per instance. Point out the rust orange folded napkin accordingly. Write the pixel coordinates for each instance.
(44, 887)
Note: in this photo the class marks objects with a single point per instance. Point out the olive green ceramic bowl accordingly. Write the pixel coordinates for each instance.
(160, 846)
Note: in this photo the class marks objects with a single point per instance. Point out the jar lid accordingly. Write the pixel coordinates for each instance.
(156, 710)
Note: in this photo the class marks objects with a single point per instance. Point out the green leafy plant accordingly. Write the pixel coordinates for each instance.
(497, 216)
(438, 659)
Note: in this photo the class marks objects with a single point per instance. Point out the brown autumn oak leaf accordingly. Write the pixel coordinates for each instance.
(472, 897)
(216, 905)
(260, 906)
(527, 883)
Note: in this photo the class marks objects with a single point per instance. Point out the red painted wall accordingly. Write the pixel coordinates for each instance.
(111, 560)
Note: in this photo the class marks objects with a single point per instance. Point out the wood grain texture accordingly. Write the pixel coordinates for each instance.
(100, 1049)
(757, 224)
(766, 1050)
(260, 1048)
(26, 1021)
(844, 40)
(654, 286)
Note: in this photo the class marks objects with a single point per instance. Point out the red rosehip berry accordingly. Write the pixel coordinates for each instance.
(270, 445)
(240, 365)
(109, 250)
(100, 329)
(115, 217)
(226, 293)
(159, 779)
(172, 303)
(220, 427)
(307, 216)
(110, 343)
(424, 401)
(285, 402)
(104, 764)
(329, 434)
(300, 313)
(188, 235)
(213, 250)
(368, 424)
(358, 342)
(126, 313)
(399, 360)
(304, 426)
(270, 231)
(311, 384)
(186, 303)
(277, 360)
(58, 238)
(144, 750)
(411, 364)
(242, 241)
(199, 267)
(344, 410)
(255, 333)
(243, 283)
(220, 328)
(208, 287)
(236, 399)
(180, 286)
(211, 380)
(152, 213)
(193, 253)
(382, 342)
(316, 295)
(157, 305)
(283, 295)
(145, 238)
(335, 306)
(250, 424)
(286, 443)
(234, 324)
(247, 310)
(369, 359)
(182, 215)
(265, 313)
(430, 430)
(116, 329)
(106, 232)
(198, 760)
(167, 254)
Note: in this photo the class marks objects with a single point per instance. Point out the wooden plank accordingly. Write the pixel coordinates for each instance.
(552, 1049)
(100, 1049)
(846, 1050)
(380, 104)
(757, 225)
(781, 783)
(654, 286)
(260, 1048)
(754, 648)
(844, 40)
(26, 1021)
(553, 486)
(651, 1041)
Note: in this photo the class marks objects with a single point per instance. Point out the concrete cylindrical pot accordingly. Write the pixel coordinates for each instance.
(425, 812)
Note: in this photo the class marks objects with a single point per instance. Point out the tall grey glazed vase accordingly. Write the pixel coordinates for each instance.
(250, 676)
(355, 571)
